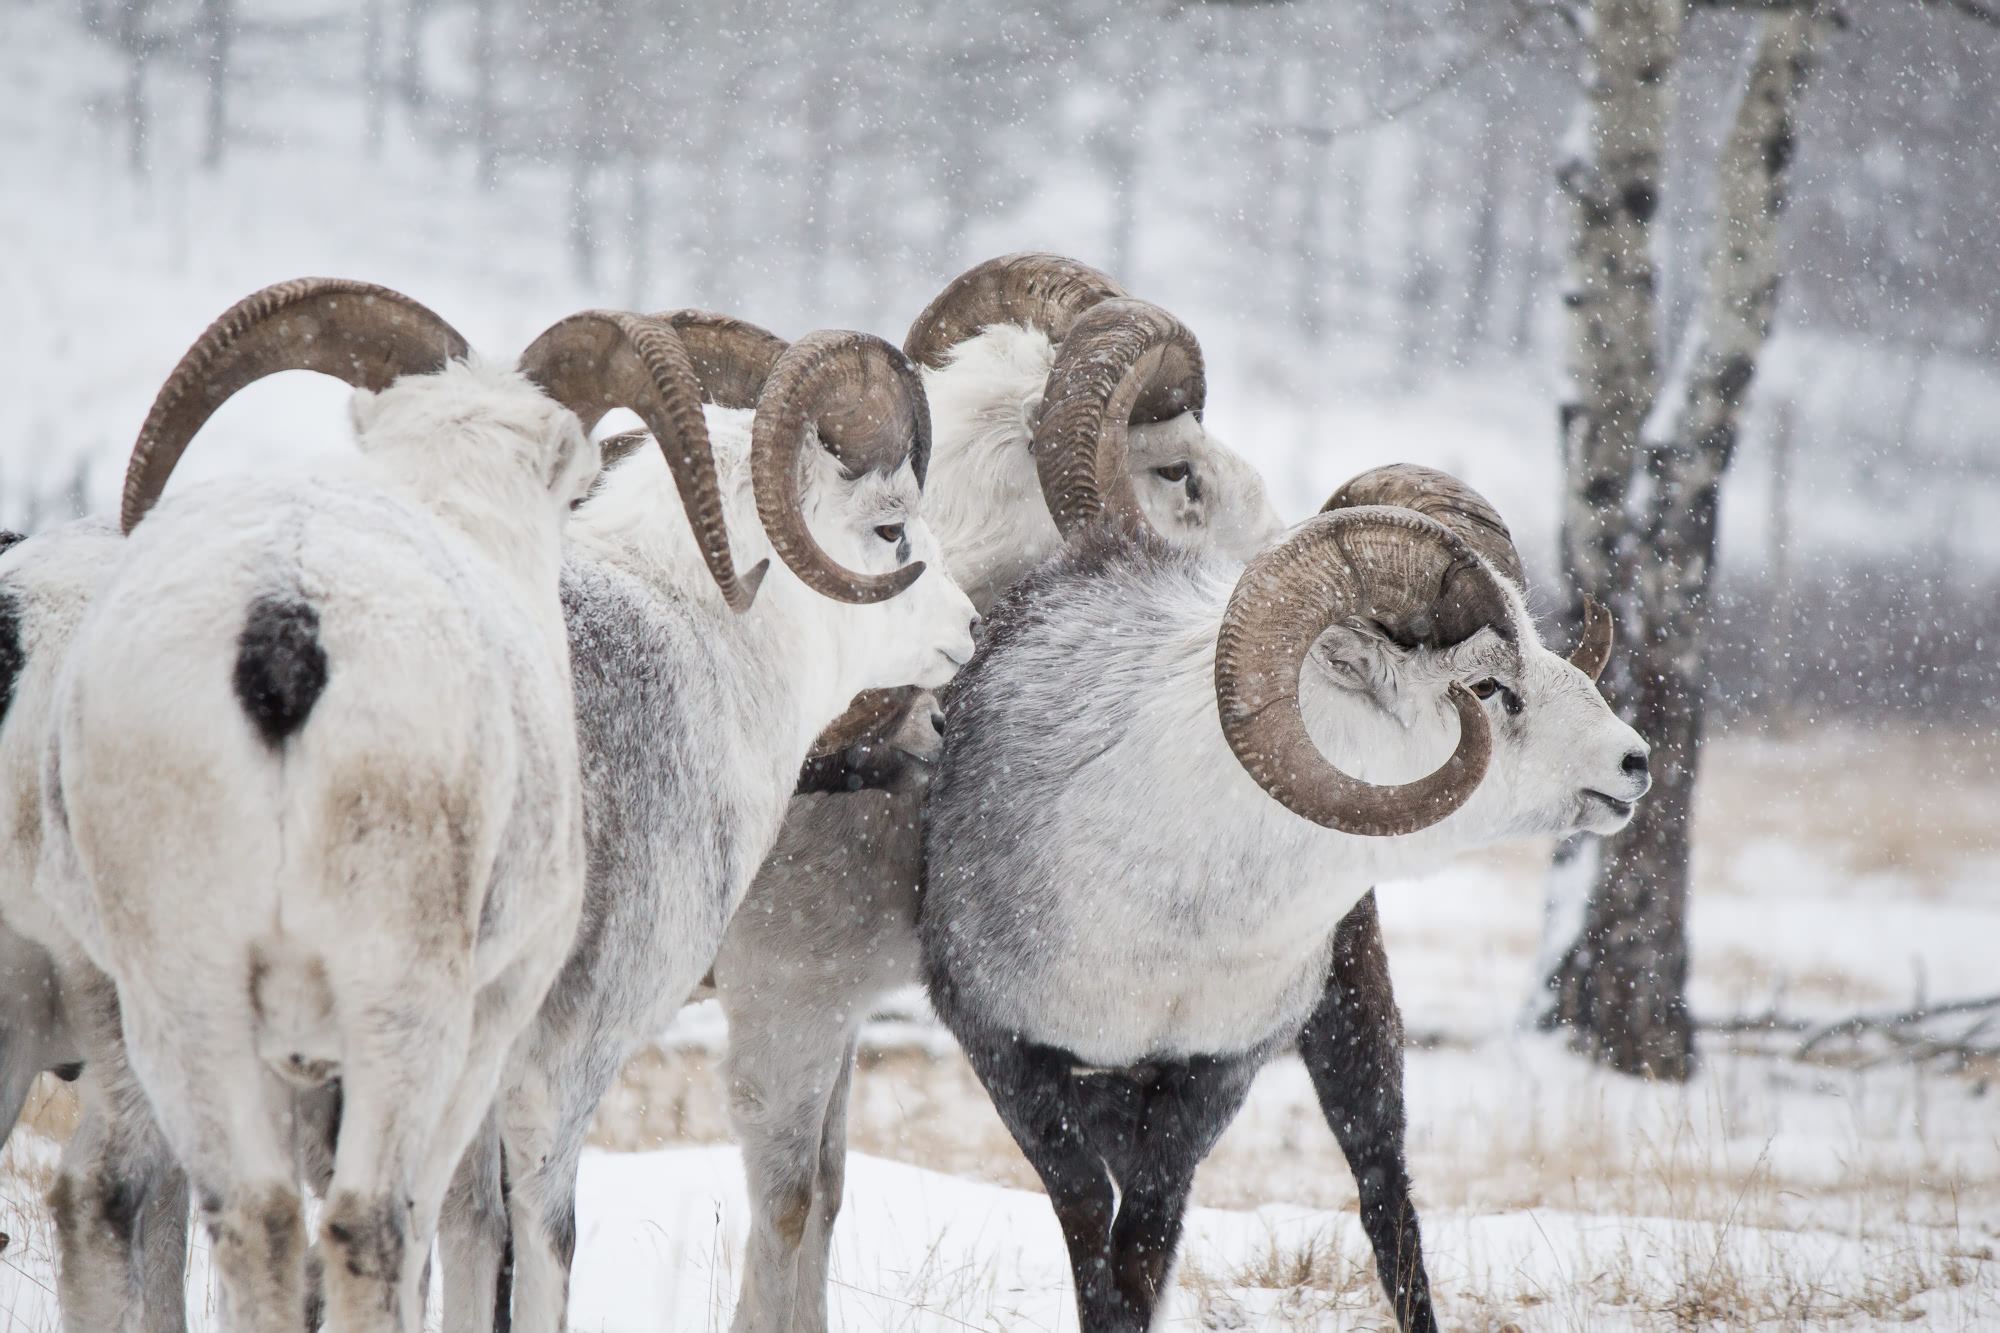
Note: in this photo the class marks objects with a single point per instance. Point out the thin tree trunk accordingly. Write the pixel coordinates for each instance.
(1420, 271)
(138, 49)
(374, 78)
(638, 237)
(217, 23)
(1622, 984)
(816, 235)
(1475, 316)
(486, 102)
(582, 235)
(1783, 622)
(410, 61)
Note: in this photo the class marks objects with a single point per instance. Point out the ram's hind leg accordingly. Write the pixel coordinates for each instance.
(120, 1205)
(418, 1081)
(1353, 1049)
(120, 1199)
(229, 1120)
(475, 1239)
(541, 1202)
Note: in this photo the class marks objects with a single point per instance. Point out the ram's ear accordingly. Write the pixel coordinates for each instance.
(573, 462)
(1365, 663)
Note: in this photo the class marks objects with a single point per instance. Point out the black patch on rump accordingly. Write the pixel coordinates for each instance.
(280, 666)
(12, 656)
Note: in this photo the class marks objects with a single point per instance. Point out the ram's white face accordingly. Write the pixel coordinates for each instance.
(1562, 761)
(873, 524)
(1198, 492)
(987, 500)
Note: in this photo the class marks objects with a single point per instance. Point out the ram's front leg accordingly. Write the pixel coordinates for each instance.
(816, 1250)
(788, 1075)
(1353, 1049)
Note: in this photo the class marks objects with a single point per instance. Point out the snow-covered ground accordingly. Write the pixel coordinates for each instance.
(1836, 873)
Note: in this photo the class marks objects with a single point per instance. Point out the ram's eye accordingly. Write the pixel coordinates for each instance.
(1172, 472)
(890, 532)
(1487, 688)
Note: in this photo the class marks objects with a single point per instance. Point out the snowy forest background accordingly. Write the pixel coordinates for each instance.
(1354, 205)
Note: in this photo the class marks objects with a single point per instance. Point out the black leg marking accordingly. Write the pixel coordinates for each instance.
(562, 1232)
(1353, 1049)
(1147, 1128)
(280, 666)
(370, 1238)
(1031, 1088)
(503, 1284)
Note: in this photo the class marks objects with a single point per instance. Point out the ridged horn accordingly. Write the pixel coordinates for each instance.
(1041, 291)
(871, 714)
(367, 335)
(1446, 499)
(1124, 360)
(860, 397)
(732, 357)
(600, 359)
(1392, 567)
(1594, 649)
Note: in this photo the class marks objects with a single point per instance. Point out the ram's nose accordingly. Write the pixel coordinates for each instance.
(1638, 767)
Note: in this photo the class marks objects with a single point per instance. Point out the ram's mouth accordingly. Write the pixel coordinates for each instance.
(1611, 803)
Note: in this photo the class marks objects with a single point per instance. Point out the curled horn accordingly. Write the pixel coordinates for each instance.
(601, 359)
(366, 335)
(732, 357)
(1595, 648)
(1446, 499)
(1395, 568)
(1042, 291)
(861, 398)
(1124, 360)
(871, 713)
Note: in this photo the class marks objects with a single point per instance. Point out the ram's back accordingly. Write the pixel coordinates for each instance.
(300, 712)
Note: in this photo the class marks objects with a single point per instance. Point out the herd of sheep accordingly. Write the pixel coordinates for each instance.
(359, 828)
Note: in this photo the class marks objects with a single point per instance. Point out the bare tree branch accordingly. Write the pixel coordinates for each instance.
(1525, 12)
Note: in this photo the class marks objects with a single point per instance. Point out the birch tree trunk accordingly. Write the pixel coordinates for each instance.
(1640, 517)
(218, 24)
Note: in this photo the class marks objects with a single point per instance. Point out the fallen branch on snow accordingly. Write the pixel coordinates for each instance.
(1961, 1031)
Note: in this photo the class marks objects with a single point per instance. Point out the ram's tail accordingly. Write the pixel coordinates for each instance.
(280, 666)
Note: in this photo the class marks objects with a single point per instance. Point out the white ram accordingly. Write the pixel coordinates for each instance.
(311, 795)
(693, 724)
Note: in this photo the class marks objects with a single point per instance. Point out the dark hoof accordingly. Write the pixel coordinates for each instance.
(5, 1241)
